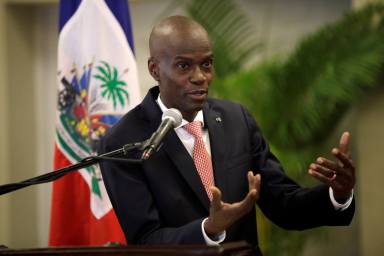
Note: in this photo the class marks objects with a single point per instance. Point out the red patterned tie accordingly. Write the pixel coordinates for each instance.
(201, 157)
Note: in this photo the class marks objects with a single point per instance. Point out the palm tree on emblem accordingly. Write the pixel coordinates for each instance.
(112, 86)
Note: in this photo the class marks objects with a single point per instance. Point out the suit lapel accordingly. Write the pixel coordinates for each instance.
(185, 165)
(174, 148)
(214, 121)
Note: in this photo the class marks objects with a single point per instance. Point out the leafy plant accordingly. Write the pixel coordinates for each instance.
(298, 101)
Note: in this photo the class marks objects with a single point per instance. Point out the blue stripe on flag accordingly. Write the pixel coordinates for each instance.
(66, 9)
(119, 8)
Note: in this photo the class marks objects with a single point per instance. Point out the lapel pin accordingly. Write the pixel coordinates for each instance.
(218, 119)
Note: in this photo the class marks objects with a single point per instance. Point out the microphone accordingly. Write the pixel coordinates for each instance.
(170, 119)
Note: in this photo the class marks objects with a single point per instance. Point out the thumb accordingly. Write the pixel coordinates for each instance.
(344, 143)
(216, 198)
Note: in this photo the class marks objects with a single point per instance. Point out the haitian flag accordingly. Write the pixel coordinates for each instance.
(97, 84)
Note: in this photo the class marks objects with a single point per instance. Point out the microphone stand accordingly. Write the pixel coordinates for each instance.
(85, 162)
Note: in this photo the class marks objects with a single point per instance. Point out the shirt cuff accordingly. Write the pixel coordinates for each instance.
(340, 207)
(215, 240)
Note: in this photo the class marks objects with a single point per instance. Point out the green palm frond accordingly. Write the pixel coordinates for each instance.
(120, 98)
(115, 74)
(122, 83)
(232, 34)
(111, 85)
(299, 101)
(102, 78)
(103, 71)
(108, 67)
(113, 94)
(328, 72)
(122, 91)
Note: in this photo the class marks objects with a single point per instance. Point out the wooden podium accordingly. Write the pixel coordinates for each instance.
(229, 249)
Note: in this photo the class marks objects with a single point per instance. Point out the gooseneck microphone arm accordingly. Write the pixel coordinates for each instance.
(85, 162)
(170, 119)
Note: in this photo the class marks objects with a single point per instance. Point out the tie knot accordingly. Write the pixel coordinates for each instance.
(194, 128)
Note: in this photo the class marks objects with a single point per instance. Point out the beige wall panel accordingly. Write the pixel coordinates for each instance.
(370, 126)
(22, 118)
(4, 167)
(371, 174)
(360, 3)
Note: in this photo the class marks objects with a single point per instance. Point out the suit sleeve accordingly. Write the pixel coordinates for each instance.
(282, 200)
(135, 208)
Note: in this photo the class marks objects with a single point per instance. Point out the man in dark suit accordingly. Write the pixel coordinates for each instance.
(167, 199)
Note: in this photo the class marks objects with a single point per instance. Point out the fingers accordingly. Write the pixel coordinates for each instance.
(257, 183)
(330, 169)
(216, 203)
(327, 173)
(327, 168)
(254, 191)
(347, 169)
(244, 205)
(327, 176)
(248, 202)
(222, 215)
(340, 174)
(343, 158)
(253, 181)
(344, 143)
(318, 175)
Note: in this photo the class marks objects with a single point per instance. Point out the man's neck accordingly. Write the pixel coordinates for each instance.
(197, 117)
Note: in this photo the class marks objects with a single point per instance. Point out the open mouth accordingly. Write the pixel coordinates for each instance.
(198, 94)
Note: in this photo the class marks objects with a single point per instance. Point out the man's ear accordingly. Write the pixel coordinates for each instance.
(153, 68)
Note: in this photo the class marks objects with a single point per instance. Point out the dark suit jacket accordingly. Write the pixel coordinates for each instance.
(164, 201)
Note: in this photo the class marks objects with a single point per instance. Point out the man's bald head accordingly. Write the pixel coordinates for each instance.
(181, 62)
(176, 31)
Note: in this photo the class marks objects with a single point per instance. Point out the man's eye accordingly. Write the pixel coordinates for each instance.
(183, 65)
(207, 64)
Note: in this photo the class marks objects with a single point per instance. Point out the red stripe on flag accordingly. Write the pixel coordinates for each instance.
(72, 222)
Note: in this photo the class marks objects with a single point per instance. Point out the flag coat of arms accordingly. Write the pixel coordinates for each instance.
(97, 84)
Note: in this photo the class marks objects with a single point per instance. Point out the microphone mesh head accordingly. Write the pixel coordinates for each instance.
(174, 115)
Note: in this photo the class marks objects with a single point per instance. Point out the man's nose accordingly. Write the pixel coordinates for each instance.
(197, 76)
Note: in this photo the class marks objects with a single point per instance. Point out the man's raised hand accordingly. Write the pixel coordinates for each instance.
(340, 174)
(222, 215)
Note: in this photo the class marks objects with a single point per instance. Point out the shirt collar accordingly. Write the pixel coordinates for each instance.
(199, 116)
